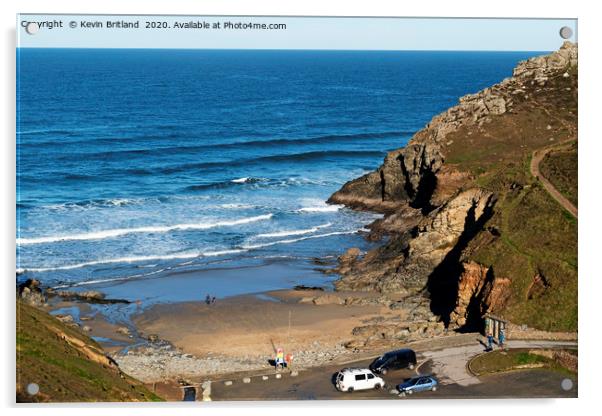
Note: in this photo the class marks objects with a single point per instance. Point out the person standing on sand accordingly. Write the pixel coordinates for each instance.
(208, 299)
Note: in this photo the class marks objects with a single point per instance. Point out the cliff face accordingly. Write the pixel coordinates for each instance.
(406, 261)
(455, 195)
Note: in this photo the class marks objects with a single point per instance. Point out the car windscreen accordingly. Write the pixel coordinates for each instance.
(410, 382)
(381, 360)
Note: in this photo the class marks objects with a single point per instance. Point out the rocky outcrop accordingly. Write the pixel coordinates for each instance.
(411, 320)
(89, 296)
(31, 293)
(411, 174)
(540, 68)
(405, 263)
(328, 299)
(433, 210)
(479, 292)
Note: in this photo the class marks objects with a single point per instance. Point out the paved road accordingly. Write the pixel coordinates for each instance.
(538, 156)
(448, 365)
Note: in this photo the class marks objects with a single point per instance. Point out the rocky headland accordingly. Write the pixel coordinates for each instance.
(468, 230)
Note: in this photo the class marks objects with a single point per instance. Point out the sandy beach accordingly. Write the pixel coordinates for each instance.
(193, 340)
(256, 324)
(185, 340)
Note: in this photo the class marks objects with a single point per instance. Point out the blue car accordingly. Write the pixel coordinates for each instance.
(416, 384)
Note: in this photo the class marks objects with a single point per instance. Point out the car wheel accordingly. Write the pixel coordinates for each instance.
(377, 386)
(383, 371)
(350, 390)
(410, 391)
(411, 366)
(434, 388)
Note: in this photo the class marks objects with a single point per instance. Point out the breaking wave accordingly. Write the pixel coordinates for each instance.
(100, 235)
(132, 259)
(179, 256)
(295, 240)
(293, 232)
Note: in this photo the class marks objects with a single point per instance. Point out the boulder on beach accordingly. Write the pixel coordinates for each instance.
(304, 287)
(31, 293)
(66, 319)
(123, 330)
(328, 299)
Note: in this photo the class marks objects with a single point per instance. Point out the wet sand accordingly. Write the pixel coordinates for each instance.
(220, 280)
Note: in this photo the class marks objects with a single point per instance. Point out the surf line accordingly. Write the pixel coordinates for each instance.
(179, 256)
(100, 235)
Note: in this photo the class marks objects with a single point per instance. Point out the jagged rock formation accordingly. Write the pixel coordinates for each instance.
(410, 320)
(31, 293)
(440, 195)
(408, 259)
(479, 292)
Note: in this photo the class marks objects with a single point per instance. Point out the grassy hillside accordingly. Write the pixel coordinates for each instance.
(512, 145)
(560, 167)
(67, 365)
(530, 239)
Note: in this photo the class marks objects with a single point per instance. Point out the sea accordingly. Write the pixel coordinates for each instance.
(142, 166)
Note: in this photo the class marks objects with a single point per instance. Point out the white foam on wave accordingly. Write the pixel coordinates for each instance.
(112, 279)
(108, 203)
(293, 232)
(99, 235)
(321, 208)
(295, 240)
(313, 205)
(249, 179)
(240, 180)
(237, 206)
(180, 256)
(134, 259)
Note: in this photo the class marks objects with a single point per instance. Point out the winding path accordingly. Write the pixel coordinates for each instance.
(538, 156)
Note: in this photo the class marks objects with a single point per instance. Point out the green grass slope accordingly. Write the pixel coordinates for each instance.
(530, 239)
(560, 168)
(67, 365)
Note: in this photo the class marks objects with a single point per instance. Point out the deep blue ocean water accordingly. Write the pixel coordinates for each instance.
(136, 163)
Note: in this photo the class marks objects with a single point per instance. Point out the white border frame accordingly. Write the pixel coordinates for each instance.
(589, 149)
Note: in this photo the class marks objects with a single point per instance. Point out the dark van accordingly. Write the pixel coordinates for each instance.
(394, 360)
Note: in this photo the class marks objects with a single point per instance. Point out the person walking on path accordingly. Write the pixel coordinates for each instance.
(502, 338)
(490, 342)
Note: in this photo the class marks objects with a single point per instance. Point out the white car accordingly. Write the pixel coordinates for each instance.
(350, 379)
